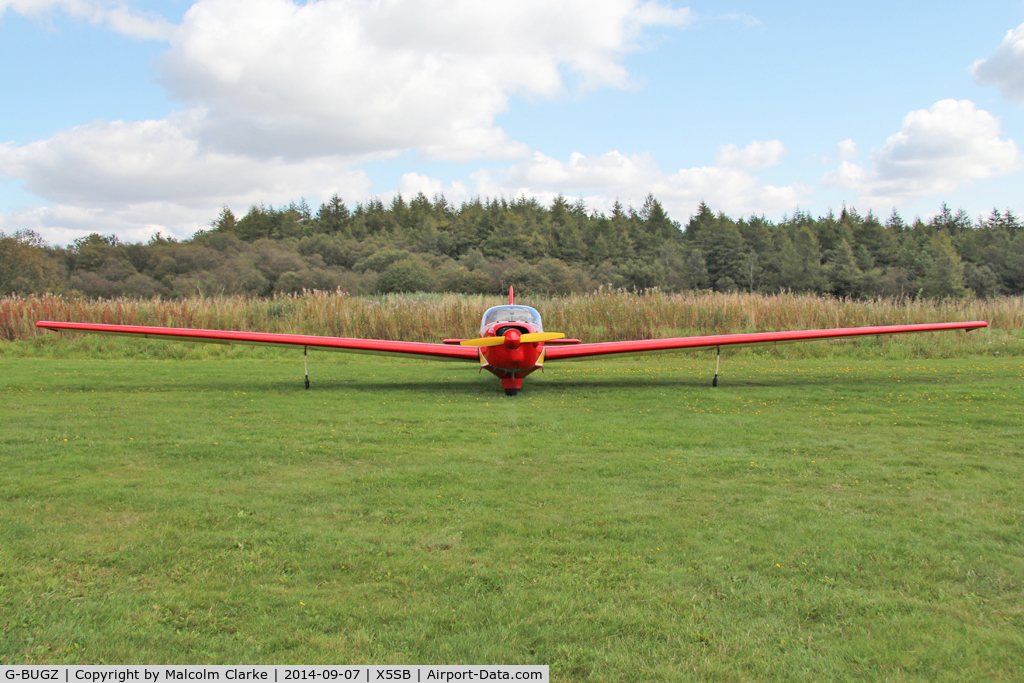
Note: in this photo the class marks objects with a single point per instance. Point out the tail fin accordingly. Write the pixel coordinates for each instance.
(511, 295)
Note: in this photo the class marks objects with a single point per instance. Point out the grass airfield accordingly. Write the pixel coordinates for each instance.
(814, 519)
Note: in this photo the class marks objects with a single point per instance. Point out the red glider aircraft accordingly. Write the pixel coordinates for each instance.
(511, 345)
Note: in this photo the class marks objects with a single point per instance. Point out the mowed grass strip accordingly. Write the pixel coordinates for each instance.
(824, 519)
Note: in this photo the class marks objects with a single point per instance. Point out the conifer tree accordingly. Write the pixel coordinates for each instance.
(225, 220)
(696, 276)
(944, 273)
(805, 263)
(333, 216)
(842, 272)
(704, 217)
(723, 248)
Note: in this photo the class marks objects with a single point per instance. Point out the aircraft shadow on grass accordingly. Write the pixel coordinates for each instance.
(472, 386)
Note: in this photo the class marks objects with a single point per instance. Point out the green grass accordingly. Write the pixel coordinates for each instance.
(810, 519)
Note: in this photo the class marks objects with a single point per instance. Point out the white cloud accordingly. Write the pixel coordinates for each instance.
(748, 20)
(283, 98)
(146, 25)
(755, 156)
(848, 174)
(601, 179)
(118, 16)
(847, 149)
(62, 224)
(277, 78)
(102, 164)
(1005, 68)
(935, 151)
(413, 183)
(139, 177)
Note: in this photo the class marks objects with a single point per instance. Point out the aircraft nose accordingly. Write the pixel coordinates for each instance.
(512, 339)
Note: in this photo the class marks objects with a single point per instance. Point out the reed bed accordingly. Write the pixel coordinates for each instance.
(601, 316)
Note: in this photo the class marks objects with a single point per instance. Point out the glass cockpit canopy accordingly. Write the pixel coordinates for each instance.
(511, 314)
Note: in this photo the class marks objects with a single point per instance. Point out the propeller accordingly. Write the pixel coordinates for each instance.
(512, 339)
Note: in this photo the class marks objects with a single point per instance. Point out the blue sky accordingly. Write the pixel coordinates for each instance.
(131, 117)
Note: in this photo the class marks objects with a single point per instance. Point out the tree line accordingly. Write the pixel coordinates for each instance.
(482, 246)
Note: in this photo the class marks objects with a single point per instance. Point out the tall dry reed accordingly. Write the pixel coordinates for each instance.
(602, 316)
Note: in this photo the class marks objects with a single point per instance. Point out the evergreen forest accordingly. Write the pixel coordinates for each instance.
(482, 246)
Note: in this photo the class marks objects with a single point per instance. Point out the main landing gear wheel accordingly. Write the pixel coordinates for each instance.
(512, 384)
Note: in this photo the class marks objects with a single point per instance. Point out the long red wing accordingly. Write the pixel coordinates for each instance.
(377, 347)
(582, 351)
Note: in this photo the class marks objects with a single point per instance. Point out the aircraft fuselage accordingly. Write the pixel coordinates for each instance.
(512, 360)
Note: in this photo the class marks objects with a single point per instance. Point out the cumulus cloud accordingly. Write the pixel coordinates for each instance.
(413, 183)
(63, 223)
(603, 179)
(747, 20)
(283, 98)
(120, 17)
(935, 151)
(755, 156)
(1005, 68)
(151, 161)
(122, 176)
(847, 149)
(276, 78)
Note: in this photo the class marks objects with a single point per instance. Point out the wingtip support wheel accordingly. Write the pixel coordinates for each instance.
(511, 392)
